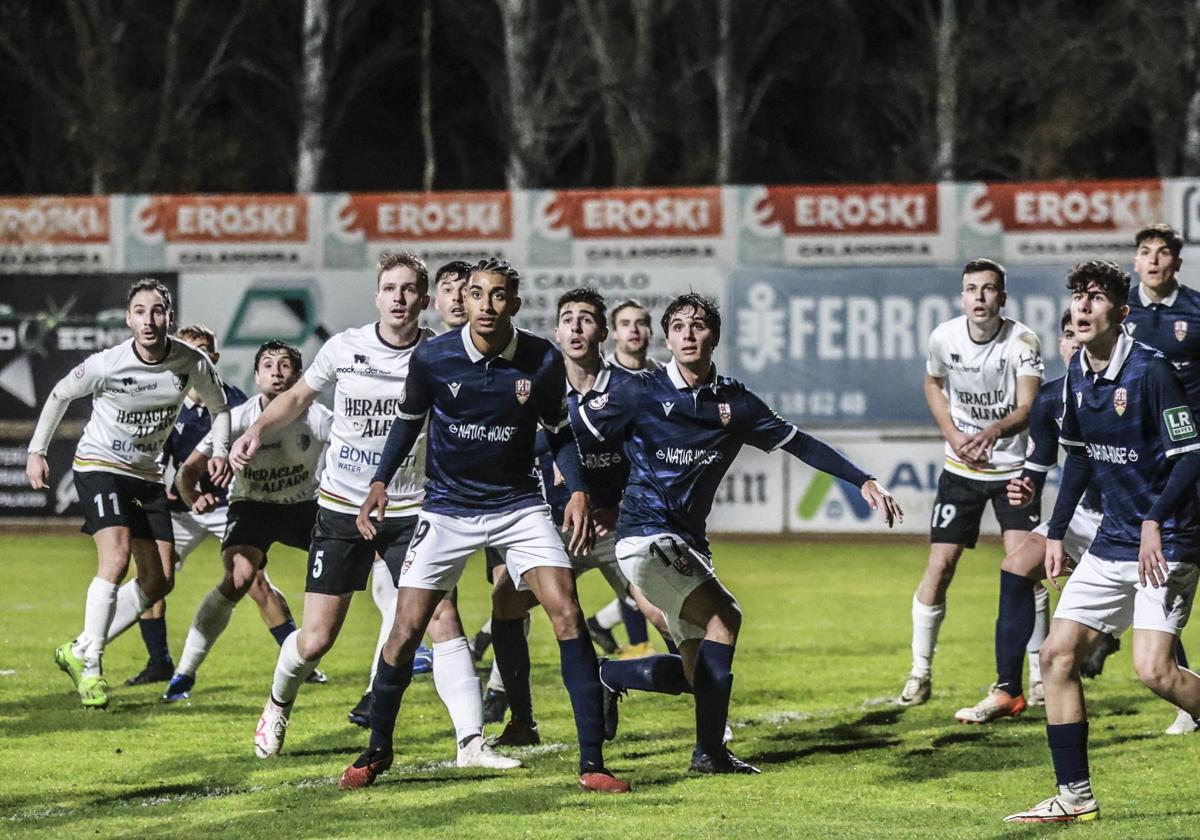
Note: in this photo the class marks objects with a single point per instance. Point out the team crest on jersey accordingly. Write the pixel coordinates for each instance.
(180, 381)
(305, 442)
(1180, 330)
(667, 406)
(524, 388)
(1000, 367)
(597, 403)
(78, 372)
(454, 386)
(1120, 401)
(725, 412)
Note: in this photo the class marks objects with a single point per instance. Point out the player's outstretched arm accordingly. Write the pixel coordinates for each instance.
(187, 482)
(282, 410)
(821, 456)
(76, 384)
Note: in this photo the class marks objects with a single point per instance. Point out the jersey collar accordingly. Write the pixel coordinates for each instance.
(473, 352)
(1119, 355)
(681, 384)
(651, 364)
(1169, 300)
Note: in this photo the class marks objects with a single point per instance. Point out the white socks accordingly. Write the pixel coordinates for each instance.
(384, 593)
(926, 623)
(609, 615)
(131, 602)
(1041, 626)
(1077, 792)
(212, 617)
(458, 686)
(291, 670)
(97, 616)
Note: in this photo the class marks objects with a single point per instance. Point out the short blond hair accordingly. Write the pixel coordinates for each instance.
(403, 259)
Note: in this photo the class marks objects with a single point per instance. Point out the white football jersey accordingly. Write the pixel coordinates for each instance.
(369, 377)
(286, 468)
(134, 405)
(981, 384)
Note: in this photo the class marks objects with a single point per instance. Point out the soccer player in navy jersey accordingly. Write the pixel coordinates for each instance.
(579, 334)
(1165, 315)
(682, 426)
(1131, 434)
(1021, 623)
(486, 388)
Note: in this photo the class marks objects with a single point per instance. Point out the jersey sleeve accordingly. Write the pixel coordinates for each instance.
(208, 385)
(607, 415)
(320, 422)
(766, 430)
(1043, 433)
(1027, 350)
(86, 378)
(418, 387)
(552, 399)
(321, 372)
(1069, 435)
(1176, 422)
(934, 363)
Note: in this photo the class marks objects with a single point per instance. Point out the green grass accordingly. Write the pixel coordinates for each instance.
(825, 642)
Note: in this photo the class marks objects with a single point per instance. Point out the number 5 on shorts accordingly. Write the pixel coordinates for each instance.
(945, 513)
(318, 563)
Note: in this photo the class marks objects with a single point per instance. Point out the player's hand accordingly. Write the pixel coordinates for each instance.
(979, 445)
(1056, 562)
(1152, 565)
(243, 449)
(219, 472)
(1020, 491)
(377, 499)
(204, 503)
(577, 519)
(37, 471)
(605, 520)
(958, 442)
(882, 501)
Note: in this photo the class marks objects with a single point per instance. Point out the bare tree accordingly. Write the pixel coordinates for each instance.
(314, 93)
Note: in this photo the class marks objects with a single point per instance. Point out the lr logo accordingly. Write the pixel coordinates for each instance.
(1180, 425)
(817, 498)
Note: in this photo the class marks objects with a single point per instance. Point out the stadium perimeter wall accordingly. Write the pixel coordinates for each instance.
(828, 294)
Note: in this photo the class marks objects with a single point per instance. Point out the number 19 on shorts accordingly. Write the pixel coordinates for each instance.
(943, 515)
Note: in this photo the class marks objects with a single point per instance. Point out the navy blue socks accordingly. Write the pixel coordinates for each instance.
(712, 687)
(1014, 627)
(154, 634)
(661, 673)
(282, 631)
(635, 624)
(512, 658)
(581, 676)
(387, 691)
(1068, 748)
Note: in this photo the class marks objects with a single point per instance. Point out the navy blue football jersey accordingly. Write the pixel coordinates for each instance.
(1173, 329)
(1129, 420)
(484, 413)
(605, 467)
(191, 426)
(680, 442)
(1045, 419)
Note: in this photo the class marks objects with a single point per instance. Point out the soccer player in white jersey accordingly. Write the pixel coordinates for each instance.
(137, 388)
(368, 368)
(272, 500)
(981, 378)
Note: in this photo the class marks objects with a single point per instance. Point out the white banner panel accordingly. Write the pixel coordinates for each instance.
(751, 498)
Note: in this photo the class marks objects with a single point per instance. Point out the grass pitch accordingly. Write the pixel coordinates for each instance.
(825, 644)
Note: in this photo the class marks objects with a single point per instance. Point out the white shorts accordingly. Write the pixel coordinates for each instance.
(603, 557)
(1081, 531)
(191, 529)
(667, 570)
(1106, 596)
(441, 545)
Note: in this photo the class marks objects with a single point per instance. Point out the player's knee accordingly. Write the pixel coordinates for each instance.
(314, 644)
(1057, 660)
(1157, 674)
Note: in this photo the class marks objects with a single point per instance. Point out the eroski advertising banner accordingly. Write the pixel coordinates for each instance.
(438, 227)
(55, 234)
(217, 232)
(847, 347)
(631, 228)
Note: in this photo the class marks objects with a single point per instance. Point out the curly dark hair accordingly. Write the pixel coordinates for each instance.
(494, 265)
(706, 307)
(1107, 275)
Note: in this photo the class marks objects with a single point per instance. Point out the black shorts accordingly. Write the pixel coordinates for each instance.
(339, 559)
(262, 524)
(109, 500)
(959, 505)
(494, 558)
